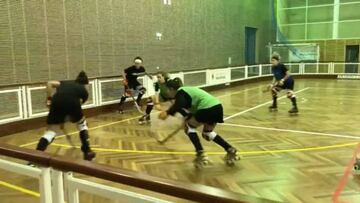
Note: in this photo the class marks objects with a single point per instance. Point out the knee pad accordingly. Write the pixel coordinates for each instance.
(142, 90)
(290, 94)
(150, 102)
(189, 129)
(82, 125)
(209, 136)
(49, 135)
(274, 91)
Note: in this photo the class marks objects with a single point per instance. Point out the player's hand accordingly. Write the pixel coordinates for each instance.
(163, 115)
(158, 107)
(48, 102)
(281, 82)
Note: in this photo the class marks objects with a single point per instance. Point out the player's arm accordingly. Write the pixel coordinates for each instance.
(150, 76)
(274, 81)
(157, 93)
(142, 74)
(124, 77)
(286, 72)
(182, 103)
(84, 96)
(50, 91)
(51, 88)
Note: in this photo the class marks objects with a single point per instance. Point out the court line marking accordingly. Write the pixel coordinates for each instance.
(129, 119)
(316, 148)
(238, 92)
(291, 131)
(261, 105)
(20, 189)
(335, 88)
(92, 128)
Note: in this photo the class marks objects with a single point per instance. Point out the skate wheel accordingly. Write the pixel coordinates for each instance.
(356, 167)
(230, 163)
(198, 166)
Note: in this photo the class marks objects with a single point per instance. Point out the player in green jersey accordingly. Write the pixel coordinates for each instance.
(199, 108)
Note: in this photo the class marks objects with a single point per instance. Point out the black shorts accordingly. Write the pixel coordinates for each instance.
(134, 85)
(210, 115)
(288, 84)
(64, 109)
(133, 89)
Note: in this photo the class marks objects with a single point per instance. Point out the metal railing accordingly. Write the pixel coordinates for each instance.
(56, 174)
(27, 100)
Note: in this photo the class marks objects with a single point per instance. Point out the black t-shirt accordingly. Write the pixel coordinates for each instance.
(72, 91)
(279, 71)
(132, 73)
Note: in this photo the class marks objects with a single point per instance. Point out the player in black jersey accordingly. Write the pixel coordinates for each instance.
(282, 81)
(65, 99)
(131, 84)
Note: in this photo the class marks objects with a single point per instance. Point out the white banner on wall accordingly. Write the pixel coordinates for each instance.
(219, 76)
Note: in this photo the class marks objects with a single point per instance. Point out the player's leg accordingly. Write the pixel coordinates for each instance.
(84, 138)
(78, 118)
(48, 137)
(289, 86)
(123, 99)
(55, 119)
(274, 93)
(149, 107)
(210, 117)
(190, 130)
(141, 91)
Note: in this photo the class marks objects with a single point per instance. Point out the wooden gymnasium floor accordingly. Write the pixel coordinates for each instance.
(285, 158)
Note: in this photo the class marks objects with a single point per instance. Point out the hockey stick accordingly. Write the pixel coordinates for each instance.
(137, 105)
(169, 136)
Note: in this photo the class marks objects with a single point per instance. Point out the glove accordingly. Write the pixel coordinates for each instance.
(281, 82)
(163, 115)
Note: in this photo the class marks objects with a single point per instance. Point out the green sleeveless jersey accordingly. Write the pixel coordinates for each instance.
(200, 99)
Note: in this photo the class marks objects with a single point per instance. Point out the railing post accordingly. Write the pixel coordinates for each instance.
(73, 192)
(99, 93)
(302, 69)
(45, 186)
(260, 69)
(209, 76)
(96, 92)
(24, 102)
(58, 186)
(246, 72)
(317, 68)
